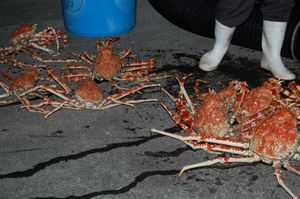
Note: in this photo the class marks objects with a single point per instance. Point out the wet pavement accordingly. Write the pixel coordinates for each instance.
(111, 153)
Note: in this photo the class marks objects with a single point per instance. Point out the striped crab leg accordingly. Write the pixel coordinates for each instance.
(242, 88)
(294, 94)
(85, 71)
(115, 98)
(58, 80)
(45, 60)
(210, 144)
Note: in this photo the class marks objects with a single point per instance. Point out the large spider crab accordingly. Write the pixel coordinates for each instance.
(25, 38)
(274, 141)
(106, 65)
(25, 84)
(89, 95)
(268, 130)
(213, 117)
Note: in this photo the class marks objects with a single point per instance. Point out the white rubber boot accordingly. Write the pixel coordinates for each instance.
(272, 40)
(210, 60)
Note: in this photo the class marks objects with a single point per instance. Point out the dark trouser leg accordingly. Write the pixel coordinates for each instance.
(232, 13)
(277, 10)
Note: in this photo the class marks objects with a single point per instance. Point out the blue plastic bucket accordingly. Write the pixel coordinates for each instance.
(99, 18)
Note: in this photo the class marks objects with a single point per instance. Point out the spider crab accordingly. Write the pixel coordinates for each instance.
(25, 38)
(271, 138)
(25, 84)
(89, 95)
(211, 118)
(261, 101)
(274, 141)
(106, 65)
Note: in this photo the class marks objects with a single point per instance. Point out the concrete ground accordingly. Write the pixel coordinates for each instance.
(111, 153)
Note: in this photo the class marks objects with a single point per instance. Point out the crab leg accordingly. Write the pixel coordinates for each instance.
(7, 50)
(216, 140)
(83, 57)
(56, 109)
(89, 56)
(280, 180)
(7, 101)
(131, 91)
(58, 80)
(56, 39)
(128, 102)
(48, 88)
(292, 167)
(55, 104)
(216, 144)
(176, 118)
(221, 160)
(295, 94)
(239, 99)
(98, 45)
(126, 53)
(27, 104)
(121, 94)
(181, 106)
(134, 73)
(50, 34)
(117, 85)
(118, 102)
(194, 145)
(169, 94)
(14, 61)
(142, 78)
(39, 58)
(86, 72)
(149, 64)
(84, 67)
(138, 66)
(198, 93)
(4, 86)
(181, 82)
(42, 48)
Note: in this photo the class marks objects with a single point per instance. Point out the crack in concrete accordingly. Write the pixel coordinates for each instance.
(42, 165)
(141, 177)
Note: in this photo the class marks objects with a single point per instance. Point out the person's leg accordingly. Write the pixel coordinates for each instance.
(275, 16)
(229, 14)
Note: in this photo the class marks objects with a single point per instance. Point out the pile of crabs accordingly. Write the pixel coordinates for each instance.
(37, 80)
(238, 123)
(242, 125)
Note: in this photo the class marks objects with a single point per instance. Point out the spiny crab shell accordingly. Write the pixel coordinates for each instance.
(211, 117)
(25, 81)
(22, 33)
(107, 64)
(258, 99)
(88, 91)
(276, 138)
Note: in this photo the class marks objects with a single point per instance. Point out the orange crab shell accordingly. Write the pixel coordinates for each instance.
(211, 118)
(24, 31)
(276, 137)
(107, 64)
(25, 80)
(258, 99)
(88, 91)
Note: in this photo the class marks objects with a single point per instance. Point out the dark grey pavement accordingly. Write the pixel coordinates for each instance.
(111, 154)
